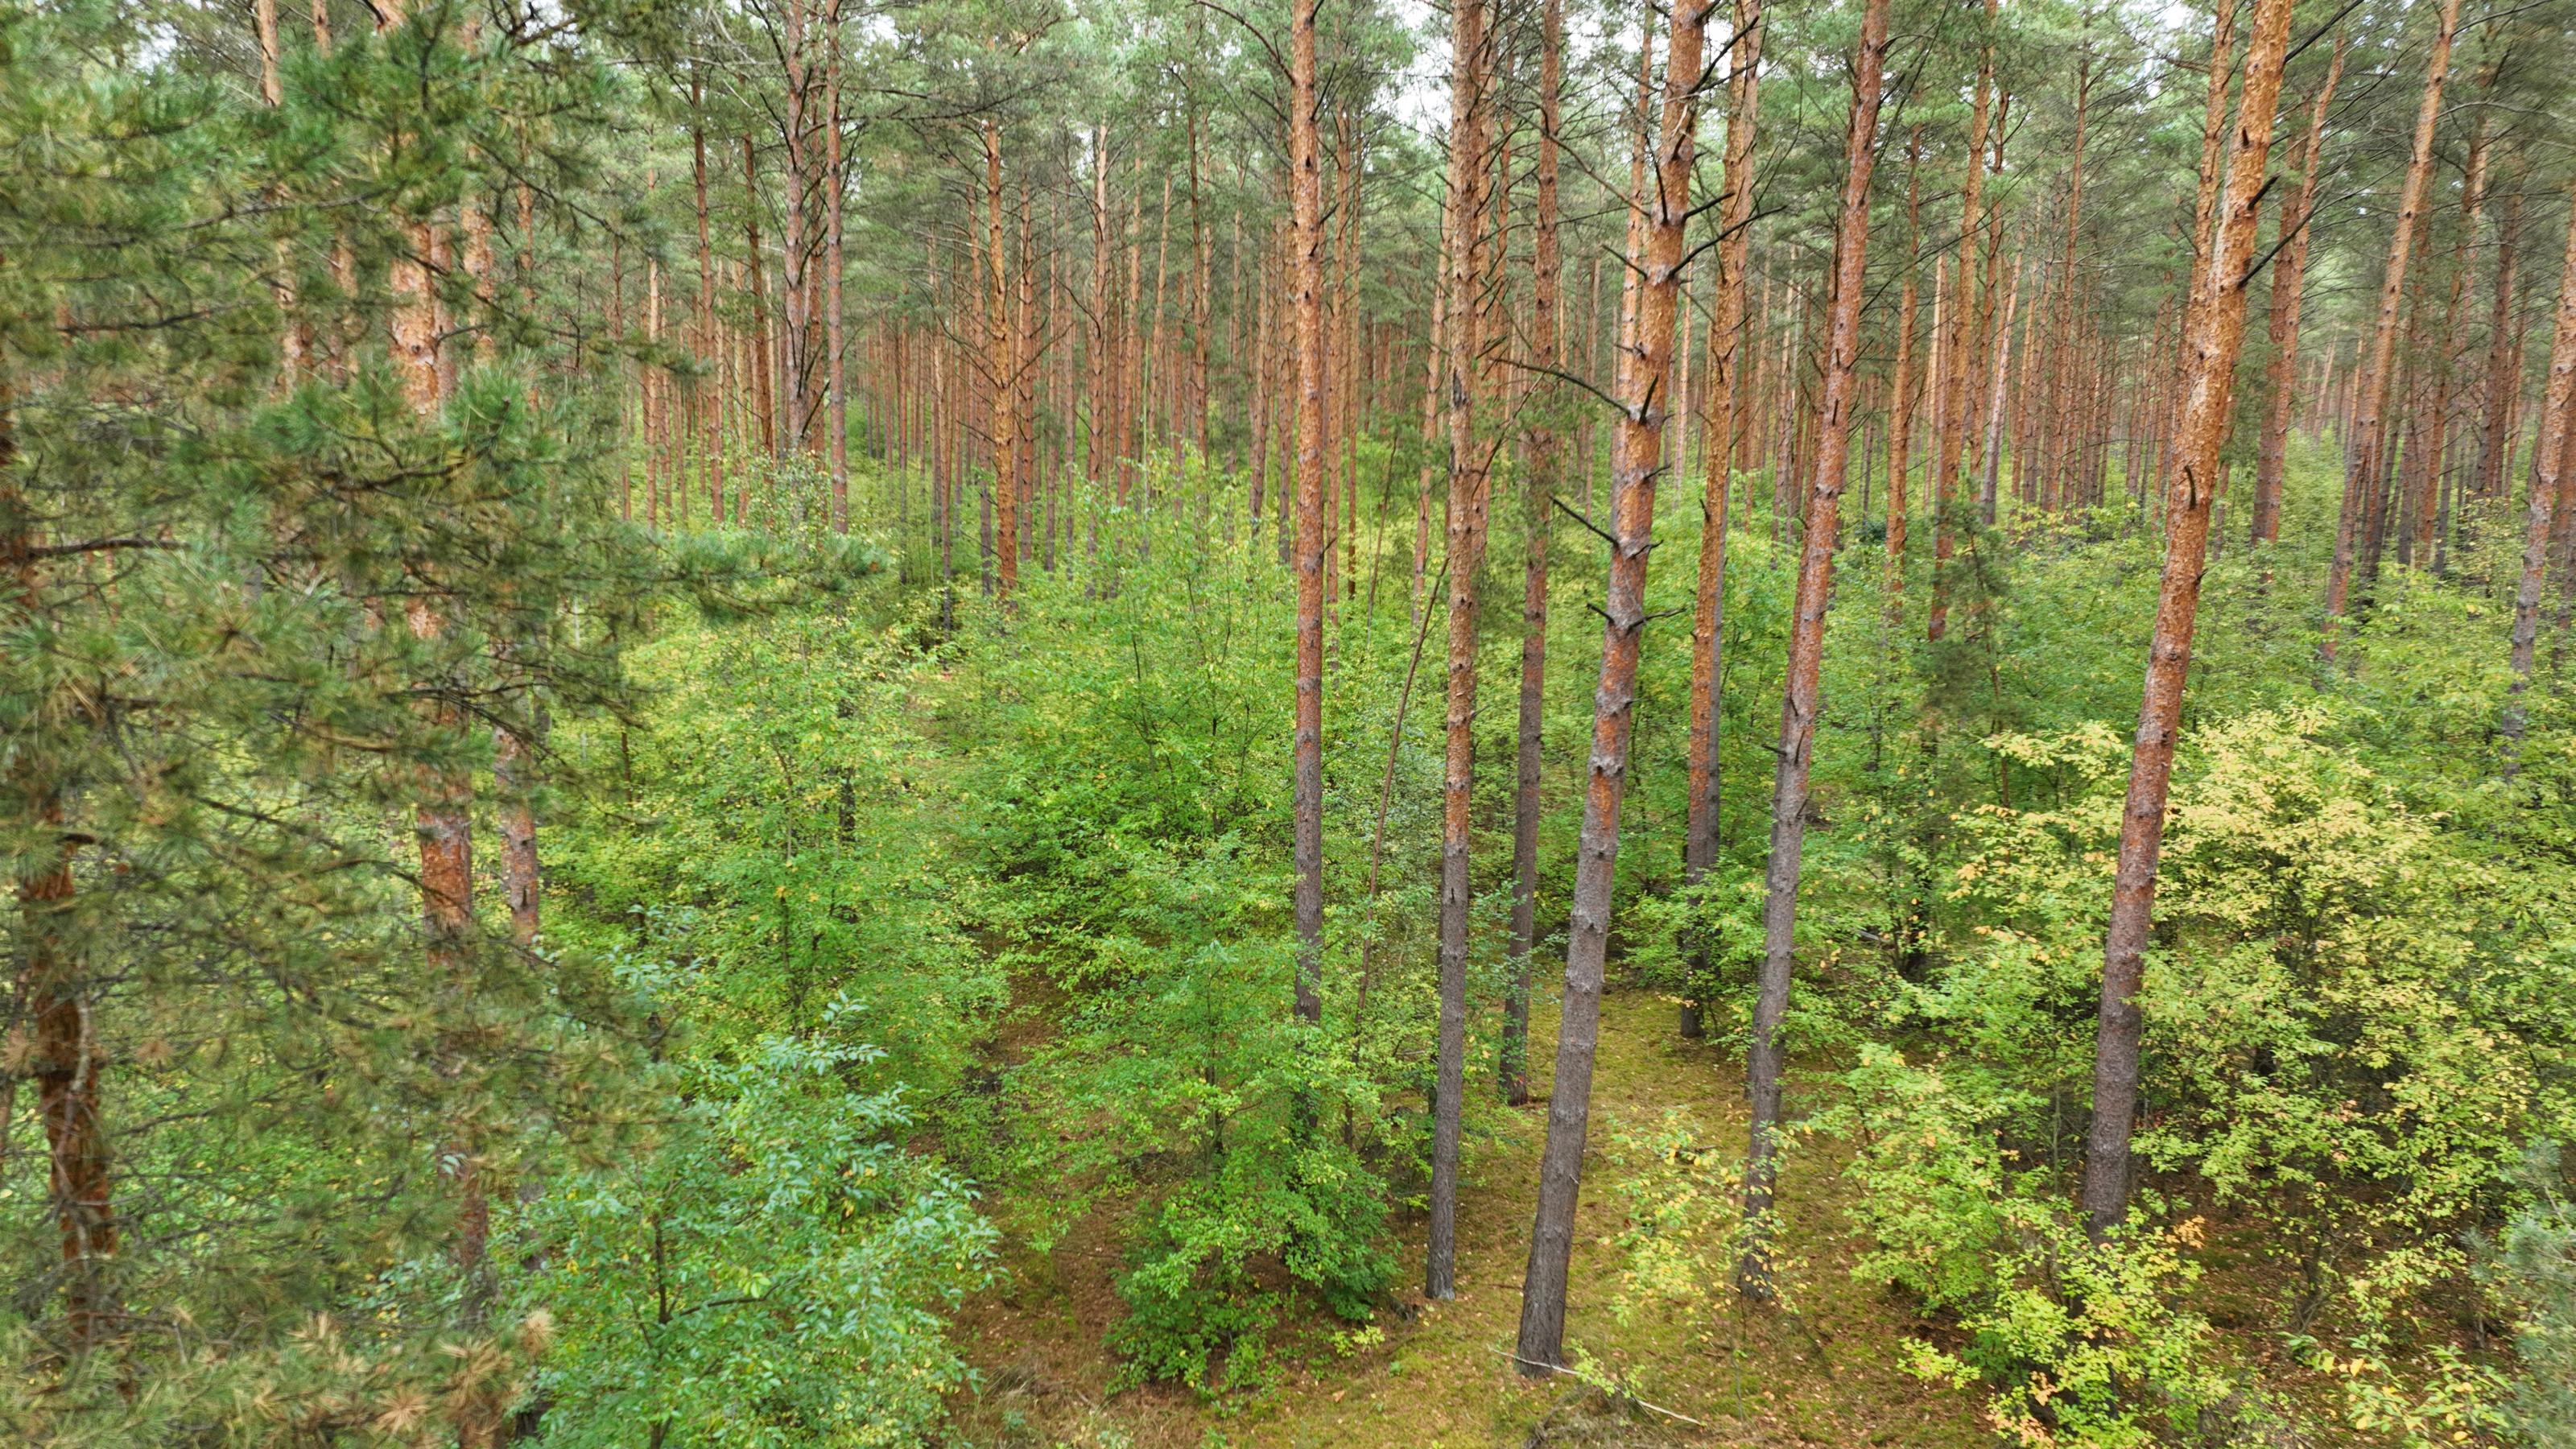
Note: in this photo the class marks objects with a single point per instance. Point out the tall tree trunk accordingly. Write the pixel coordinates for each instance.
(1725, 344)
(837, 382)
(2451, 357)
(2217, 328)
(1306, 281)
(444, 810)
(1434, 352)
(1002, 388)
(2548, 479)
(2369, 450)
(1801, 698)
(1100, 401)
(709, 341)
(765, 397)
(1654, 279)
(1958, 398)
(1469, 485)
(1900, 425)
(2060, 387)
(2289, 277)
(1546, 449)
(2504, 354)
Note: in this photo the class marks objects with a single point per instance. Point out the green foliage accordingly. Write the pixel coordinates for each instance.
(2537, 1270)
(1116, 758)
(2339, 1045)
(773, 1268)
(2077, 1342)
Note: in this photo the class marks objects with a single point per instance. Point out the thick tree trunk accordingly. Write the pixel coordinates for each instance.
(52, 991)
(2369, 441)
(1802, 697)
(2217, 327)
(1654, 280)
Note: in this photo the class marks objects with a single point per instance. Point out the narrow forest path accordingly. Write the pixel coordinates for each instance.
(1828, 1373)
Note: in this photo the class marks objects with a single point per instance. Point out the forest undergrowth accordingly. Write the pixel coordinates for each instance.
(1026, 852)
(783, 724)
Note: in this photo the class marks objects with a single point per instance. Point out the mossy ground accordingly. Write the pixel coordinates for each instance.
(1828, 1372)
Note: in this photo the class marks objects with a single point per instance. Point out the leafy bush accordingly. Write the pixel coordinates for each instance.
(772, 1269)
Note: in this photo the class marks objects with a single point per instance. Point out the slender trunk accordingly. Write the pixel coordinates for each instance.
(765, 399)
(1958, 398)
(1100, 401)
(709, 344)
(1801, 698)
(836, 383)
(1435, 352)
(2289, 276)
(2369, 425)
(2433, 467)
(796, 239)
(1725, 342)
(2548, 478)
(2504, 355)
(1002, 387)
(2216, 329)
(1306, 283)
(1998, 375)
(1545, 463)
(1653, 278)
(1469, 484)
(1900, 425)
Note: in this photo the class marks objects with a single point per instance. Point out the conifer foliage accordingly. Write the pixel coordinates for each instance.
(739, 723)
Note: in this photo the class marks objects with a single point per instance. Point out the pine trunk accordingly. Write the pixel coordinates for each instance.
(1801, 698)
(2369, 425)
(1306, 281)
(1546, 449)
(1654, 279)
(2216, 330)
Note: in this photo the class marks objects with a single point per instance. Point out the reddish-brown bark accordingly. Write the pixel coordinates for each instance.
(2210, 345)
(1470, 482)
(1654, 283)
(1306, 284)
(1957, 397)
(2369, 453)
(1802, 695)
(2289, 278)
(1725, 340)
(2546, 512)
(1546, 449)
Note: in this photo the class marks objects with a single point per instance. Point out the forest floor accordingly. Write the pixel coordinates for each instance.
(1826, 1370)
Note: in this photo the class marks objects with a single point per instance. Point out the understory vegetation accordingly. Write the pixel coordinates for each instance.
(782, 724)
